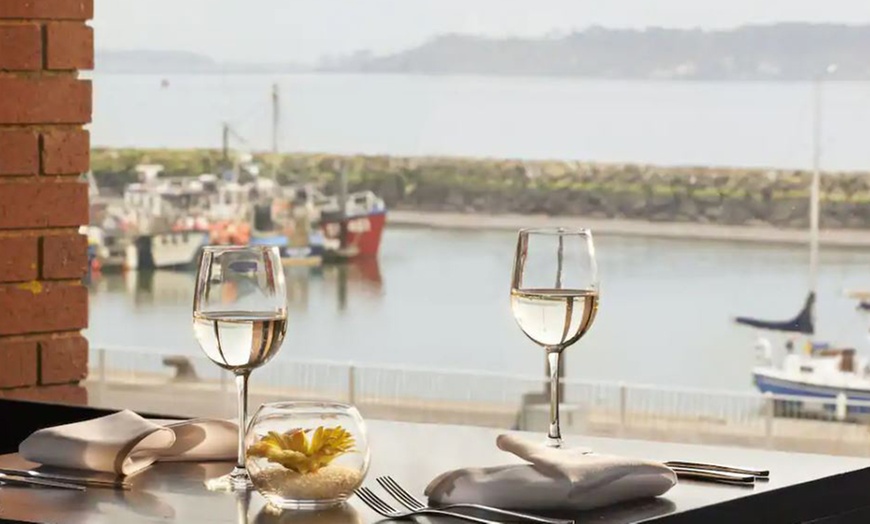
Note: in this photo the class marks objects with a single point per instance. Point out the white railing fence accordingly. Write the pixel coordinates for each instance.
(839, 425)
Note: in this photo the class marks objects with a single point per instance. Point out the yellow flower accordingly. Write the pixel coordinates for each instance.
(296, 452)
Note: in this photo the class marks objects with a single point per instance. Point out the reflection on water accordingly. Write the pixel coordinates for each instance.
(439, 299)
(172, 288)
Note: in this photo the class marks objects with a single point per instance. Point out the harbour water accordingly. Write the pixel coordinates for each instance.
(659, 122)
(439, 299)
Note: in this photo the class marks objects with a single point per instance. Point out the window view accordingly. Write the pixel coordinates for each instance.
(605, 220)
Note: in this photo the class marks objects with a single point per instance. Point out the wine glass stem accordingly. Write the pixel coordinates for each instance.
(242, 388)
(554, 436)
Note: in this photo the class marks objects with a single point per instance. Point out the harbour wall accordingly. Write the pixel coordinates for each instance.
(708, 195)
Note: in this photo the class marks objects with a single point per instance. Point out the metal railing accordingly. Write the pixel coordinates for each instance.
(840, 425)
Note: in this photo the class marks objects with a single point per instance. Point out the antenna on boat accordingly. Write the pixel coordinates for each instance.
(818, 99)
(225, 142)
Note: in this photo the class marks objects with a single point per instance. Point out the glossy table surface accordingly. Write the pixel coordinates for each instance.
(801, 487)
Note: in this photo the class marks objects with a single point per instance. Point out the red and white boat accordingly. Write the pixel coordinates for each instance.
(354, 233)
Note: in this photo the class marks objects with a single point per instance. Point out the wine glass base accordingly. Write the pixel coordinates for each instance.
(554, 442)
(235, 481)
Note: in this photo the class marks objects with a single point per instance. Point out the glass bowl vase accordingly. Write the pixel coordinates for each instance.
(306, 455)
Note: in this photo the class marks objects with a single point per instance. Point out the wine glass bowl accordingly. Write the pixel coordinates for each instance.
(240, 319)
(554, 297)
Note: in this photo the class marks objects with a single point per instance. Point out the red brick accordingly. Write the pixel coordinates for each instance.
(45, 100)
(63, 360)
(42, 307)
(19, 152)
(18, 364)
(20, 47)
(66, 152)
(47, 9)
(69, 45)
(18, 256)
(36, 204)
(66, 394)
(64, 256)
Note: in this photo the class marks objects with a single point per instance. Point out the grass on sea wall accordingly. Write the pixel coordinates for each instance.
(116, 167)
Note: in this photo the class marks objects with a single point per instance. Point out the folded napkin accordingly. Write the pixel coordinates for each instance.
(124, 443)
(562, 479)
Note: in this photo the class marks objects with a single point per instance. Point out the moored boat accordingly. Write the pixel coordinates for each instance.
(170, 250)
(834, 376)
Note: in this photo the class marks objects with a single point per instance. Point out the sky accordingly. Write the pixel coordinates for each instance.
(306, 30)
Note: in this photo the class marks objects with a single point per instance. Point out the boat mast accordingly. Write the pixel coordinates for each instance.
(818, 87)
(276, 121)
(815, 185)
(225, 142)
(342, 202)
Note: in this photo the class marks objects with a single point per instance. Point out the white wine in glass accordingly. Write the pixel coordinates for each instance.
(240, 340)
(554, 297)
(239, 320)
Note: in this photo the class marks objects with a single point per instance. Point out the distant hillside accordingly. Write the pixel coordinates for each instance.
(793, 51)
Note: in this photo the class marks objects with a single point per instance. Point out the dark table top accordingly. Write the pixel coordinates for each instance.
(802, 487)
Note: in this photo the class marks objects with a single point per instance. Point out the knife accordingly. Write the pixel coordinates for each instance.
(718, 467)
(714, 476)
(30, 481)
(68, 479)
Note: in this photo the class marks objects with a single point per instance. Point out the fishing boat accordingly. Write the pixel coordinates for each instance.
(357, 228)
(158, 225)
(287, 225)
(352, 224)
(341, 227)
(171, 250)
(809, 368)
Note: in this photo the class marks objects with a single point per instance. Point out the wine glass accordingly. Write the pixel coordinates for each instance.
(239, 320)
(554, 297)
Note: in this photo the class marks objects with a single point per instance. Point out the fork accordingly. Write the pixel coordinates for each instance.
(415, 504)
(385, 510)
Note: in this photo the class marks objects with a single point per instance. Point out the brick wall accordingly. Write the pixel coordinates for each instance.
(43, 148)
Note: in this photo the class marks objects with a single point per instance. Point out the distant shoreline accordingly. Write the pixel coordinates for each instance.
(754, 51)
(422, 74)
(842, 238)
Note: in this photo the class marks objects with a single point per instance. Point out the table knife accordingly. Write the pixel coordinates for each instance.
(70, 479)
(720, 477)
(31, 481)
(718, 467)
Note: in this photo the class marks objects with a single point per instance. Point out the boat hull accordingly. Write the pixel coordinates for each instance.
(767, 383)
(310, 255)
(363, 233)
(166, 250)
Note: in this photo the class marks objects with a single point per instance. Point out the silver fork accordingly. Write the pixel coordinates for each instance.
(385, 510)
(413, 503)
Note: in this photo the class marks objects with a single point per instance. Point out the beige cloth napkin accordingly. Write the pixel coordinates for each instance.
(124, 443)
(553, 479)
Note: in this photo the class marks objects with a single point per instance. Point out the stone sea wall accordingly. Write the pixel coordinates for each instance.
(730, 196)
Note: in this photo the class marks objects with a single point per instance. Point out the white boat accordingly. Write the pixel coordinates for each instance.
(166, 250)
(820, 373)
